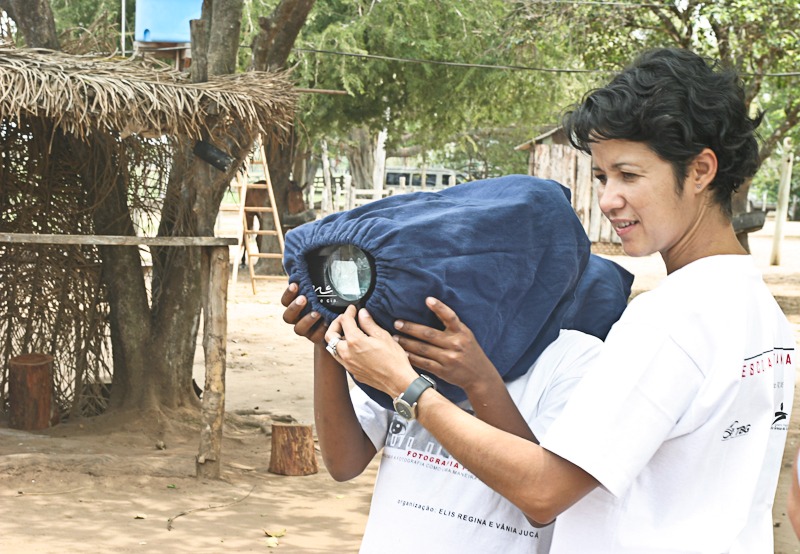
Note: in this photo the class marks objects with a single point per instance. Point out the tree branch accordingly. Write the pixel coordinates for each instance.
(34, 19)
(273, 43)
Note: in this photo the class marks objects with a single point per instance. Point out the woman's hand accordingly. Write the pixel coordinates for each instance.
(452, 354)
(369, 353)
(455, 356)
(311, 325)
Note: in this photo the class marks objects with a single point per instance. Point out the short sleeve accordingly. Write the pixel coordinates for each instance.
(374, 419)
(554, 377)
(626, 405)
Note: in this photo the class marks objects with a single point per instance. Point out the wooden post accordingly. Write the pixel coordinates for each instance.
(327, 192)
(782, 209)
(379, 169)
(351, 197)
(30, 391)
(293, 450)
(215, 333)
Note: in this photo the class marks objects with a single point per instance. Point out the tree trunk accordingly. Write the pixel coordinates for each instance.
(271, 48)
(223, 37)
(34, 19)
(190, 208)
(123, 277)
(361, 154)
(293, 450)
(30, 391)
(154, 344)
(273, 43)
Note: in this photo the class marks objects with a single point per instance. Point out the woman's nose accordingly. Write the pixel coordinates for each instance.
(609, 197)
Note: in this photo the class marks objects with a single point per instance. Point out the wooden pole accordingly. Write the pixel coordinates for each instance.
(215, 333)
(327, 192)
(379, 171)
(30, 391)
(782, 208)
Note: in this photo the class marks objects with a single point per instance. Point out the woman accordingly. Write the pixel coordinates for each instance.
(672, 442)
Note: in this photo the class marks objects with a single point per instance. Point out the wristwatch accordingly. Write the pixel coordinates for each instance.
(406, 403)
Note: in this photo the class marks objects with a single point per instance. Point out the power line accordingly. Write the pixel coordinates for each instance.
(452, 64)
(613, 4)
(506, 67)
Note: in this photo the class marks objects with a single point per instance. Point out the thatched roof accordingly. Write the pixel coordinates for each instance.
(82, 94)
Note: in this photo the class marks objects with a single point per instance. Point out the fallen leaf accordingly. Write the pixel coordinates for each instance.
(140, 516)
(272, 542)
(278, 533)
(172, 486)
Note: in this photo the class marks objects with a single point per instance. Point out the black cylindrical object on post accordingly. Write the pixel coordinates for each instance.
(212, 155)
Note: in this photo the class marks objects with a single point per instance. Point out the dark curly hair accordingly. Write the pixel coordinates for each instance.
(677, 103)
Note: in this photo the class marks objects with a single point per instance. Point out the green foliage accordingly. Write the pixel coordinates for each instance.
(444, 108)
(95, 23)
(753, 36)
(472, 116)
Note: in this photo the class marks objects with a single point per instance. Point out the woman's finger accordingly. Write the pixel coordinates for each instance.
(369, 325)
(334, 330)
(350, 328)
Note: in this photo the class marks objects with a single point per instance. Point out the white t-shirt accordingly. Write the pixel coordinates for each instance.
(425, 501)
(682, 419)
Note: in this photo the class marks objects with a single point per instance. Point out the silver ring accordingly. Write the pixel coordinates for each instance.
(331, 347)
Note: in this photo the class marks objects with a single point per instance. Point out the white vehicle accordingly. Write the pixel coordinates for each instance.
(434, 178)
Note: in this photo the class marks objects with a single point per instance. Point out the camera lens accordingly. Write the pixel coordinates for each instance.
(348, 272)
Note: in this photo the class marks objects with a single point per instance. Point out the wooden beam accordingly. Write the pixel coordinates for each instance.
(321, 91)
(112, 240)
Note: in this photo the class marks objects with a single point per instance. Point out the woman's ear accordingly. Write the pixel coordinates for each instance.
(703, 169)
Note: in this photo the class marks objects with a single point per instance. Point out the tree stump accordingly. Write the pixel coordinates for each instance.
(30, 391)
(293, 450)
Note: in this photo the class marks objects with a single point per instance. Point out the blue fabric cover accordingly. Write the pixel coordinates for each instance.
(506, 254)
(600, 298)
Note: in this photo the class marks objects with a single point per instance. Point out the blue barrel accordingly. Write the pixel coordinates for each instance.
(165, 20)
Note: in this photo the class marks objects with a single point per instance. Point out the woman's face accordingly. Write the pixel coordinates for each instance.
(637, 193)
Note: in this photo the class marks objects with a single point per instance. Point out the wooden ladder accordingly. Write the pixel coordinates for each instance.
(246, 244)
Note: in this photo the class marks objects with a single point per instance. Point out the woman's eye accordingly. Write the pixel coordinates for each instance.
(601, 179)
(628, 176)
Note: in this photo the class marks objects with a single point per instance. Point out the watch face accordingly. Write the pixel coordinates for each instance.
(403, 409)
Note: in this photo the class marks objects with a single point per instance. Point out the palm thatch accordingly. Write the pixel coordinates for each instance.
(82, 94)
(72, 128)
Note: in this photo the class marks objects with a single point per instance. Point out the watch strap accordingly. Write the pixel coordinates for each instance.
(406, 403)
(416, 388)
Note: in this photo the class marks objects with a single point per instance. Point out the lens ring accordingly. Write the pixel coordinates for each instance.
(349, 273)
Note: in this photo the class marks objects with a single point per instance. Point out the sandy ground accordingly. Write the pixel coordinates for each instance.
(101, 485)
